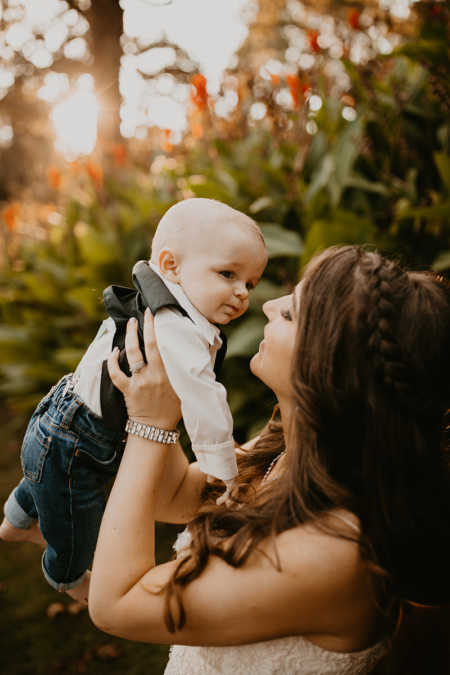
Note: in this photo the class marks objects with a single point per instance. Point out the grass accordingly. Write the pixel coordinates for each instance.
(33, 643)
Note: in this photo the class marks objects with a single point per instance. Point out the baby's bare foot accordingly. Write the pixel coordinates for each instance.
(80, 593)
(32, 534)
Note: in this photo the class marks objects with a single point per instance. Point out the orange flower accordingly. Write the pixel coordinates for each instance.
(95, 172)
(10, 214)
(166, 144)
(312, 39)
(346, 99)
(275, 79)
(199, 95)
(353, 18)
(54, 177)
(197, 130)
(293, 83)
(119, 153)
(297, 88)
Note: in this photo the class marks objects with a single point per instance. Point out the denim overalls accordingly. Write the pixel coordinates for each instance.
(68, 458)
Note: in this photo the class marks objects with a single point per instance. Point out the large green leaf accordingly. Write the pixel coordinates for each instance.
(281, 242)
(260, 204)
(265, 290)
(345, 228)
(245, 338)
(320, 177)
(361, 183)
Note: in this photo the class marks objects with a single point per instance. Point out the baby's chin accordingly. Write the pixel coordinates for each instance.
(224, 320)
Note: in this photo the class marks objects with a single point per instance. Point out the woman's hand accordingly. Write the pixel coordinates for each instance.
(148, 394)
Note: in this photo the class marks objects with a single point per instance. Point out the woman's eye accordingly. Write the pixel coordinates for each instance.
(285, 313)
(226, 273)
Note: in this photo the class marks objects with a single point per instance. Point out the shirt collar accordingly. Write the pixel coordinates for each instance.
(208, 330)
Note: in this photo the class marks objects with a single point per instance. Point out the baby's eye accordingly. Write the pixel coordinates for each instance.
(226, 273)
(285, 313)
(249, 286)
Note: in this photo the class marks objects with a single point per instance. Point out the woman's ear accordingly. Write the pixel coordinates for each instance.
(169, 266)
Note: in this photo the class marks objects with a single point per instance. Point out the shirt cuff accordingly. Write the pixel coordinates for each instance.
(217, 459)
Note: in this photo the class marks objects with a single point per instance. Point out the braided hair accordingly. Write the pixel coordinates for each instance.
(388, 289)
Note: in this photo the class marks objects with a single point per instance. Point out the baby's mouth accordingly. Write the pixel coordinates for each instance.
(232, 308)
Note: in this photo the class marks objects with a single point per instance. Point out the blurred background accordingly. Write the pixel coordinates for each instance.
(326, 121)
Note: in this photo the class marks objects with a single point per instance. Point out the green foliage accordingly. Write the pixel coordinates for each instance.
(380, 180)
(51, 294)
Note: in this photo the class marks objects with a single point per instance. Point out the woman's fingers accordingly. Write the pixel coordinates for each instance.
(118, 377)
(151, 349)
(132, 348)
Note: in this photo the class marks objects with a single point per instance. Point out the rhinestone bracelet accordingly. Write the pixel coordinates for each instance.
(151, 432)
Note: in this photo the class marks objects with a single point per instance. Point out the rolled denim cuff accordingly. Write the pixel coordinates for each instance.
(15, 514)
(60, 587)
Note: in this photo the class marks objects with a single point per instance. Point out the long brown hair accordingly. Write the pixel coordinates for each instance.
(371, 392)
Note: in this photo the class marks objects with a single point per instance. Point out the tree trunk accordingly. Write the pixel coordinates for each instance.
(106, 26)
(264, 39)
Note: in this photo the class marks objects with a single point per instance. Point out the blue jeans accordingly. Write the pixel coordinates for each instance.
(68, 457)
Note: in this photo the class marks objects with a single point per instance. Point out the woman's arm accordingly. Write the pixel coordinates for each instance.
(317, 591)
(181, 486)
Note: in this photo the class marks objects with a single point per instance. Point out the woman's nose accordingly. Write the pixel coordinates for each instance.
(267, 308)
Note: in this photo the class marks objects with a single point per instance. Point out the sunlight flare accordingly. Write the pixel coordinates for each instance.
(75, 121)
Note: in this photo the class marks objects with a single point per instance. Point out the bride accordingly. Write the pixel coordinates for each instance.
(340, 515)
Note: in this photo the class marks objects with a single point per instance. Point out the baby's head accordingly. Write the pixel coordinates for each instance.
(215, 253)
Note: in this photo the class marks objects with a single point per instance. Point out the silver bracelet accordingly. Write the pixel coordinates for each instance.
(151, 432)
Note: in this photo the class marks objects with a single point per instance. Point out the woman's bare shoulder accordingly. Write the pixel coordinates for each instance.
(333, 561)
(314, 544)
(338, 581)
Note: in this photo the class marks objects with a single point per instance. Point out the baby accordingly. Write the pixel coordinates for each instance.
(205, 258)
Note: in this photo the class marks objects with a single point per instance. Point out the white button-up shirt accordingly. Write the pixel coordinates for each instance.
(188, 346)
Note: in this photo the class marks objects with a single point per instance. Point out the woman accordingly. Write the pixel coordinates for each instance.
(343, 506)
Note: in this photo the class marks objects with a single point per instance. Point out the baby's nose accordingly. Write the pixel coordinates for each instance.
(241, 290)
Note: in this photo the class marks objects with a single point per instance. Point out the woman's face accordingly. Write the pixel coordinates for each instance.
(272, 363)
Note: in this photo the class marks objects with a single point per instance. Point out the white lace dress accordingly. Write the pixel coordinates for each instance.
(282, 656)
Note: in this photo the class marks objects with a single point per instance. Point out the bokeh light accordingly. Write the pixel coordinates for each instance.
(75, 120)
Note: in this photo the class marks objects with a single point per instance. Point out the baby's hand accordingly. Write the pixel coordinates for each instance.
(225, 498)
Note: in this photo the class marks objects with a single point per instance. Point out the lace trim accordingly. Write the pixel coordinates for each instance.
(293, 655)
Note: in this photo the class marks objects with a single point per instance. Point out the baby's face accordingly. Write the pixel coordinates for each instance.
(219, 271)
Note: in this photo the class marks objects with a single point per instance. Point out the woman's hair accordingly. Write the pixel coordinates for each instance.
(371, 393)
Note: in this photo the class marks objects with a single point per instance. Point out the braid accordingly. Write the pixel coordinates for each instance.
(386, 288)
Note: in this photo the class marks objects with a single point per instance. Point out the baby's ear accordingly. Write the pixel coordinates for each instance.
(168, 265)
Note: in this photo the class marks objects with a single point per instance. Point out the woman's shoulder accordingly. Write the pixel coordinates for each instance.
(329, 570)
(331, 542)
